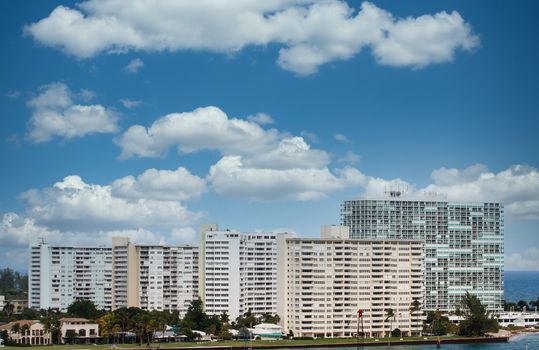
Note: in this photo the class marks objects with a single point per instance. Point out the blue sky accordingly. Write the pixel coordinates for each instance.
(299, 105)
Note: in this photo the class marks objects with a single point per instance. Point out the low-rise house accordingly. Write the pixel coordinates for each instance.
(78, 330)
(28, 332)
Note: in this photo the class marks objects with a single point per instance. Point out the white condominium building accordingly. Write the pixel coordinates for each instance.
(58, 276)
(154, 277)
(240, 272)
(322, 283)
(463, 243)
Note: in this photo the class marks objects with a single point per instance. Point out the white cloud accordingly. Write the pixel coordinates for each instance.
(206, 128)
(17, 232)
(527, 259)
(168, 185)
(183, 235)
(261, 118)
(341, 138)
(309, 32)
(516, 187)
(230, 177)
(127, 103)
(86, 95)
(350, 157)
(54, 114)
(73, 205)
(291, 152)
(134, 65)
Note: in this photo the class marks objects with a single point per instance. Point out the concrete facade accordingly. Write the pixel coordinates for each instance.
(58, 276)
(463, 244)
(154, 277)
(240, 272)
(323, 282)
(30, 332)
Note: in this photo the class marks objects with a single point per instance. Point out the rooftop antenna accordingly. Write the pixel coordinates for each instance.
(395, 190)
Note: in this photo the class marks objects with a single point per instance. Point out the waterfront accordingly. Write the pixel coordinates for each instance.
(515, 343)
(521, 285)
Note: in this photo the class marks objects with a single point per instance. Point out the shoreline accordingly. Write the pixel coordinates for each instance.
(431, 341)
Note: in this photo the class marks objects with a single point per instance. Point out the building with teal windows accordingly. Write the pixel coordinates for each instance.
(463, 244)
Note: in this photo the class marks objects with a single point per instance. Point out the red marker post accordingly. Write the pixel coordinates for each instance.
(360, 316)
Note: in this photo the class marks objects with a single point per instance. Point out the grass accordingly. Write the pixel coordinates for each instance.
(227, 343)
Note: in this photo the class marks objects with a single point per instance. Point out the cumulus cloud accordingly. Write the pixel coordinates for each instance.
(54, 114)
(291, 152)
(168, 185)
(17, 232)
(310, 33)
(73, 205)
(205, 128)
(130, 104)
(230, 177)
(134, 65)
(516, 187)
(261, 118)
(522, 261)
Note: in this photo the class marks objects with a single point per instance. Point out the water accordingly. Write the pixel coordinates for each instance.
(517, 343)
(521, 285)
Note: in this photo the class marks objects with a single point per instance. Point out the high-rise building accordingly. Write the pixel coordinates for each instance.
(240, 272)
(58, 276)
(202, 257)
(154, 277)
(463, 244)
(322, 283)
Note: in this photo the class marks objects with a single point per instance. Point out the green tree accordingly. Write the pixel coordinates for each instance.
(509, 306)
(225, 332)
(439, 324)
(71, 335)
(396, 333)
(4, 335)
(415, 312)
(195, 318)
(83, 308)
(521, 305)
(16, 328)
(248, 319)
(534, 304)
(390, 315)
(13, 284)
(25, 329)
(477, 320)
(51, 324)
(8, 309)
(108, 325)
(269, 318)
(29, 314)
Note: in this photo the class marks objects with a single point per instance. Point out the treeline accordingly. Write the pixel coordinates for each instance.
(120, 325)
(13, 285)
(477, 320)
(521, 305)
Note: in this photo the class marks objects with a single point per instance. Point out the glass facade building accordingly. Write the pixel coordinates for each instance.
(463, 244)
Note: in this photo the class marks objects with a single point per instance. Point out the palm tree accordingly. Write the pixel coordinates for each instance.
(415, 307)
(8, 309)
(16, 328)
(390, 315)
(51, 323)
(25, 330)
